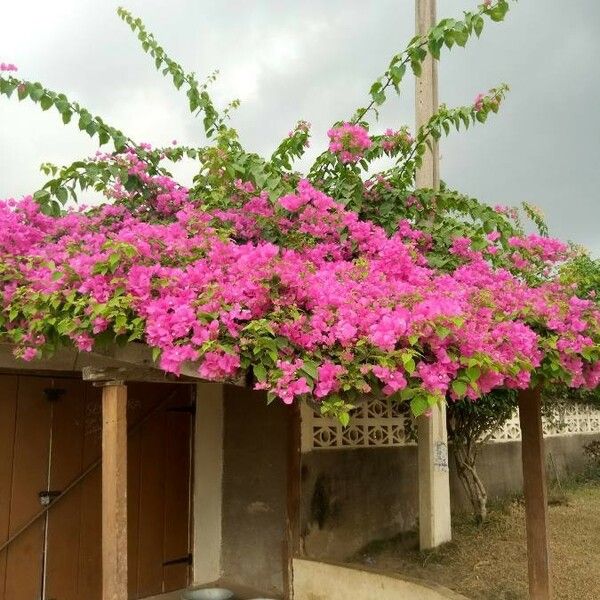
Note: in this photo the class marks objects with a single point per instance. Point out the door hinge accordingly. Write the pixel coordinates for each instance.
(184, 560)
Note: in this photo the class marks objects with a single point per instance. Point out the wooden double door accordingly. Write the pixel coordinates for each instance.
(50, 434)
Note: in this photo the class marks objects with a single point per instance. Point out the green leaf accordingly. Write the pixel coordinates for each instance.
(419, 405)
(499, 12)
(409, 363)
(310, 368)
(397, 73)
(62, 195)
(260, 372)
(473, 373)
(7, 87)
(42, 196)
(478, 23)
(434, 48)
(459, 388)
(46, 102)
(36, 92)
(461, 37)
(85, 118)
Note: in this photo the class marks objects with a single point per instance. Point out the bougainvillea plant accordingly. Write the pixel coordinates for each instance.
(329, 285)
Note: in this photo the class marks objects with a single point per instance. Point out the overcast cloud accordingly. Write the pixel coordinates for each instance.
(315, 60)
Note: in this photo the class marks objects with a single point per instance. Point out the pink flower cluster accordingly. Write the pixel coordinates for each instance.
(7, 67)
(478, 103)
(349, 142)
(393, 140)
(337, 305)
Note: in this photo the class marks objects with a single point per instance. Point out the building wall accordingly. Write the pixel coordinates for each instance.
(353, 496)
(254, 490)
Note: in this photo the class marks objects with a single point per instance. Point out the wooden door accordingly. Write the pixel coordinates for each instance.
(47, 439)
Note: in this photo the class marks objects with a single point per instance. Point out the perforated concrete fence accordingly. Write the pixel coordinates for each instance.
(380, 422)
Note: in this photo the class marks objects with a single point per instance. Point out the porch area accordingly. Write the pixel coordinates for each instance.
(137, 489)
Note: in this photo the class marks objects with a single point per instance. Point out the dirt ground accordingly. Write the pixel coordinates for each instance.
(490, 562)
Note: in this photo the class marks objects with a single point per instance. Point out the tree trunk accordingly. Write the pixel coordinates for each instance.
(465, 457)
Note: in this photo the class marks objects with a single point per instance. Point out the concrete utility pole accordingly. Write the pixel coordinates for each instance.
(434, 481)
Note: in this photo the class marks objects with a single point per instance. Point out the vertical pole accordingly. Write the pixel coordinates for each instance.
(426, 95)
(208, 482)
(291, 545)
(114, 491)
(534, 485)
(434, 481)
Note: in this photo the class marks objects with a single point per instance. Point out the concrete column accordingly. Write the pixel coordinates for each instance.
(434, 485)
(434, 481)
(208, 482)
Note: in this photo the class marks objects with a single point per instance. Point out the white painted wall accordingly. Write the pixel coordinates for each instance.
(323, 581)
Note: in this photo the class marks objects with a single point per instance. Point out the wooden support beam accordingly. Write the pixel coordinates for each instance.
(114, 492)
(434, 480)
(100, 375)
(536, 496)
(134, 361)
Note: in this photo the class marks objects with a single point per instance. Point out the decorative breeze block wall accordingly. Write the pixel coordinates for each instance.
(379, 422)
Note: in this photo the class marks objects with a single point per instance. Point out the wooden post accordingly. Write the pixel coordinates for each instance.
(536, 502)
(434, 481)
(114, 491)
(291, 544)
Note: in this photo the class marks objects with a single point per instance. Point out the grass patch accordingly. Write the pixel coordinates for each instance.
(489, 561)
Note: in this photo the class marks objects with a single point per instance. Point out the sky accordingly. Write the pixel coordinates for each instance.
(315, 60)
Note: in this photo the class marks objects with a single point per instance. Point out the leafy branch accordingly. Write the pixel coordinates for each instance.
(198, 97)
(92, 125)
(292, 147)
(443, 120)
(447, 32)
(100, 175)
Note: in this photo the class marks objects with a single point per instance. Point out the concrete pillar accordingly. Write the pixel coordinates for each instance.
(434, 484)
(208, 482)
(434, 481)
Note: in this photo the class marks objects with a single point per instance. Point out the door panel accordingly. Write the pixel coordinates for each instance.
(30, 476)
(152, 507)
(8, 413)
(177, 499)
(158, 494)
(90, 523)
(62, 558)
